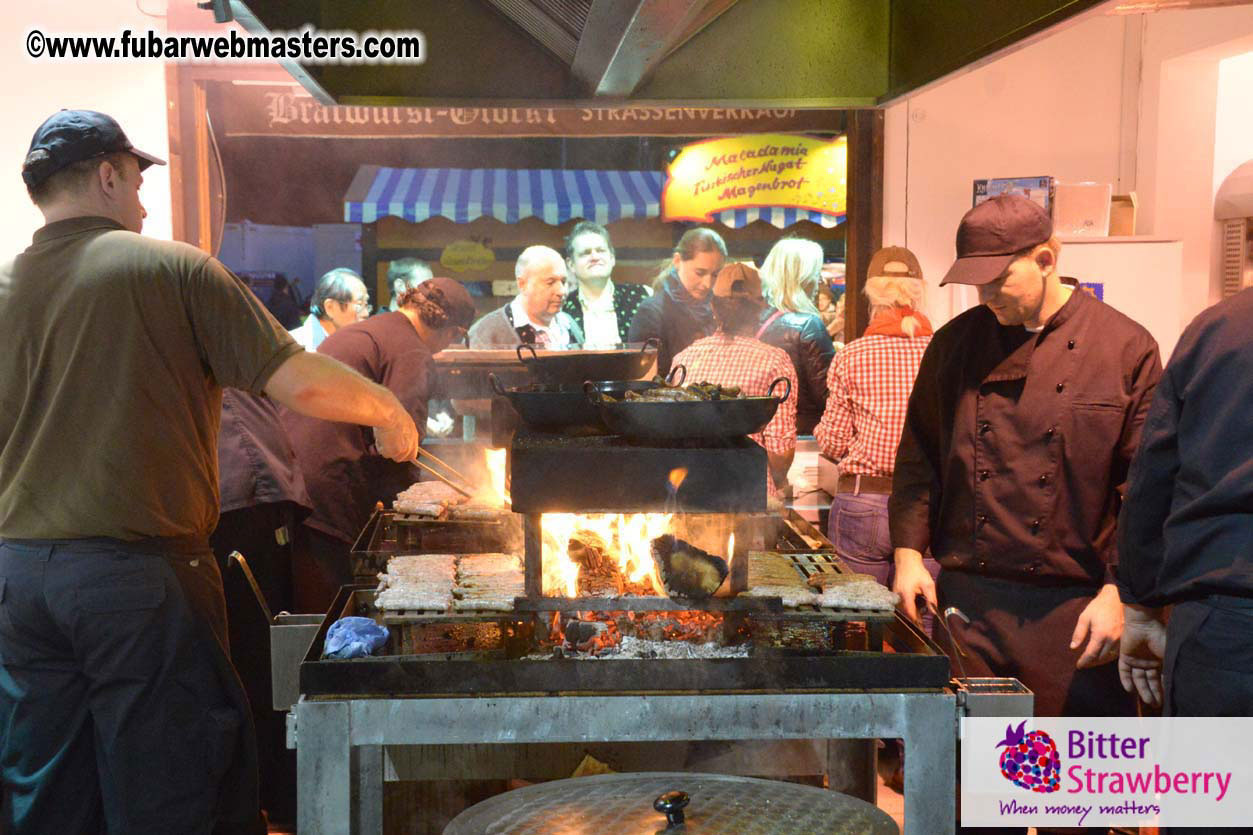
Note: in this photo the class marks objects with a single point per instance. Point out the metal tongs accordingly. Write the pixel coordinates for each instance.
(464, 488)
(942, 621)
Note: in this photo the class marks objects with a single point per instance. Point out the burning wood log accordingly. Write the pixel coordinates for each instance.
(599, 574)
(686, 570)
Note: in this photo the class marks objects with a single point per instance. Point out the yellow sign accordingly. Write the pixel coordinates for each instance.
(771, 169)
(463, 256)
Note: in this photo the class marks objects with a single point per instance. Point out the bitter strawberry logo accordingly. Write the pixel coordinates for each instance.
(1030, 760)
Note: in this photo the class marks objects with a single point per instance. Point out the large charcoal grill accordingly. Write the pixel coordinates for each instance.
(817, 673)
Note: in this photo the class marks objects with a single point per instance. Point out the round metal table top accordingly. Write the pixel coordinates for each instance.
(622, 804)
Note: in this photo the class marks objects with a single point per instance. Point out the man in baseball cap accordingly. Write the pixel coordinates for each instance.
(81, 162)
(1006, 248)
(1018, 436)
(120, 707)
(71, 136)
(992, 234)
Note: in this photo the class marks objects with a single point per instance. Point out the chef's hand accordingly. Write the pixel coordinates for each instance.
(399, 438)
(1143, 647)
(912, 579)
(1100, 623)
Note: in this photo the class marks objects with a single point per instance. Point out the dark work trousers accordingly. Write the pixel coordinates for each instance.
(263, 535)
(1023, 631)
(1209, 666)
(120, 709)
(323, 564)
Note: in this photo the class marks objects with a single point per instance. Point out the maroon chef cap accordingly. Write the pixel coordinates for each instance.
(452, 297)
(992, 234)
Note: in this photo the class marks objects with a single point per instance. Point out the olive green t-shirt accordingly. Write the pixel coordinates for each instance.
(115, 349)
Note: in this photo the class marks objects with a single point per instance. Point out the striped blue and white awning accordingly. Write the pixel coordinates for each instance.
(507, 194)
(777, 216)
(510, 194)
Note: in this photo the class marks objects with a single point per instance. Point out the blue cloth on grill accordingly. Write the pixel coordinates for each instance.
(354, 638)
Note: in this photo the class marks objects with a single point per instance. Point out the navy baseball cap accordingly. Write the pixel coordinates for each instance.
(992, 234)
(70, 136)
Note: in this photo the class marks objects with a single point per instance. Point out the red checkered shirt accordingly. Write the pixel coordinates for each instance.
(869, 384)
(752, 365)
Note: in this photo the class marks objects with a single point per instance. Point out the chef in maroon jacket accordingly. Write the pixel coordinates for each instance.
(1017, 441)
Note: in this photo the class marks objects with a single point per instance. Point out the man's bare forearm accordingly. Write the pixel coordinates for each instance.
(322, 387)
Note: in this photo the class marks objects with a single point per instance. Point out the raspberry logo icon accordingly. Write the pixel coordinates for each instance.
(1030, 760)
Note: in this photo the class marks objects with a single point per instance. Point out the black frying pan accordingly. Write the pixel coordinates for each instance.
(576, 365)
(565, 408)
(669, 420)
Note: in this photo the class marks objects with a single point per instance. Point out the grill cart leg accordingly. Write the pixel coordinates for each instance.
(930, 750)
(323, 767)
(367, 789)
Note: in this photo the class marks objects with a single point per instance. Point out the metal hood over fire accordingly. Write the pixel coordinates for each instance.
(741, 53)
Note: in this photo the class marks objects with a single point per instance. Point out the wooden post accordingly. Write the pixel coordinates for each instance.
(533, 555)
(370, 262)
(865, 213)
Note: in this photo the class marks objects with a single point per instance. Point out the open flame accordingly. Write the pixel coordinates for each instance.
(627, 538)
(496, 492)
(676, 478)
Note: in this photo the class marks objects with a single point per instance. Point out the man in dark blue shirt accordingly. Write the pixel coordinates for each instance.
(1186, 529)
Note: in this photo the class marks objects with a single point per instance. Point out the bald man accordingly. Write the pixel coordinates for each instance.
(534, 316)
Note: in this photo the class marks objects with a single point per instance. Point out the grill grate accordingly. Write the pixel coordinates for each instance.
(811, 564)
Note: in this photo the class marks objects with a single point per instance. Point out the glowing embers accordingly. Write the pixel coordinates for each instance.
(690, 634)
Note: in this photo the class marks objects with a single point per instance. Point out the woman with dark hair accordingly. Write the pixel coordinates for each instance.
(679, 313)
(343, 473)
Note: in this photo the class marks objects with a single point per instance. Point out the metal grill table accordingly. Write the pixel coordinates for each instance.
(340, 754)
(622, 804)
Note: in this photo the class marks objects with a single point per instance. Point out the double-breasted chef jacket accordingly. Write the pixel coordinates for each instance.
(1011, 468)
(1017, 444)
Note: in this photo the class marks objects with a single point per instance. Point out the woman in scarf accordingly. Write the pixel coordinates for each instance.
(869, 383)
(679, 312)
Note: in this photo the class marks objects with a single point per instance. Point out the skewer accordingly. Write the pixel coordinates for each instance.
(442, 477)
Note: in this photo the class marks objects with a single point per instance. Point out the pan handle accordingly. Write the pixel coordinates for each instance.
(594, 395)
(528, 346)
(676, 370)
(651, 342)
(495, 382)
(787, 382)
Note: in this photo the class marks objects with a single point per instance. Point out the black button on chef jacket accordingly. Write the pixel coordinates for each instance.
(1017, 444)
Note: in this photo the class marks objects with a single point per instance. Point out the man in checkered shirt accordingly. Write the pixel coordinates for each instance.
(733, 357)
(869, 383)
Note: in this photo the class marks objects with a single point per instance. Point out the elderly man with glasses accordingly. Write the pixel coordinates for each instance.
(340, 299)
